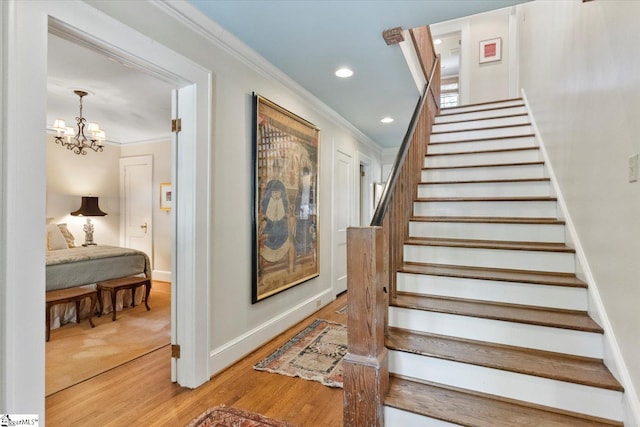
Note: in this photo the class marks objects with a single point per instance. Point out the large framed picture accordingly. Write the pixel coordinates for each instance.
(285, 199)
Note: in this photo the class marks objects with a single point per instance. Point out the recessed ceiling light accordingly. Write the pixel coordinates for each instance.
(387, 120)
(437, 41)
(344, 73)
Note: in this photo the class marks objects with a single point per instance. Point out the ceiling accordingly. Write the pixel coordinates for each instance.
(128, 104)
(308, 40)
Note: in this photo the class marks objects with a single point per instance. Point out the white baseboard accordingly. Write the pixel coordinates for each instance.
(230, 352)
(162, 276)
(612, 355)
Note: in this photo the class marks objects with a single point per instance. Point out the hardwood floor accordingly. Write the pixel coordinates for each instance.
(77, 352)
(140, 392)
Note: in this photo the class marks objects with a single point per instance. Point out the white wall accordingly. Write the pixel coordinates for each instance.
(491, 80)
(71, 176)
(161, 152)
(236, 325)
(579, 67)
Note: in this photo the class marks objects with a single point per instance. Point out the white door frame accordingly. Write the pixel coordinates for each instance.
(124, 201)
(23, 190)
(364, 192)
(336, 253)
(463, 27)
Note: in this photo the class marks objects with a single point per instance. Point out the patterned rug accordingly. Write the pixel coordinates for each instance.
(314, 354)
(222, 416)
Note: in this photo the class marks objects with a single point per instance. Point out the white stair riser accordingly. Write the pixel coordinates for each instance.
(520, 209)
(394, 417)
(487, 158)
(478, 124)
(493, 105)
(579, 343)
(554, 233)
(593, 401)
(549, 296)
(489, 172)
(475, 115)
(482, 134)
(492, 144)
(487, 189)
(558, 262)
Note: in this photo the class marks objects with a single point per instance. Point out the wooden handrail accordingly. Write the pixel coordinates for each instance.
(394, 173)
(374, 254)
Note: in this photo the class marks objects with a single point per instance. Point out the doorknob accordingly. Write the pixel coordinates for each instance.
(144, 227)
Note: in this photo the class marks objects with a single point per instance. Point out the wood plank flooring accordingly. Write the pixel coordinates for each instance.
(140, 392)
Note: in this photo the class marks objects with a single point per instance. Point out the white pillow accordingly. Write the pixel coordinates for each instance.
(55, 238)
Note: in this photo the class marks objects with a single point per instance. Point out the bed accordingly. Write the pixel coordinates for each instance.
(79, 266)
(69, 266)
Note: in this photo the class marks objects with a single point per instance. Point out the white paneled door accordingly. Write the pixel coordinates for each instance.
(342, 205)
(136, 189)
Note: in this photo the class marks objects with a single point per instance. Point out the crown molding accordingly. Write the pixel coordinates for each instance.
(193, 18)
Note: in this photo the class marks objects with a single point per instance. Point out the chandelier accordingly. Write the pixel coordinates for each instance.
(76, 140)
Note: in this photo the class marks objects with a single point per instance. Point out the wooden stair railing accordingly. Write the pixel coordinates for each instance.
(374, 254)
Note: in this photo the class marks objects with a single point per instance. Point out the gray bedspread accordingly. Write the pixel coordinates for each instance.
(67, 268)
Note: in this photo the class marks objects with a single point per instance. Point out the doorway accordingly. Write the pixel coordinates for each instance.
(125, 177)
(449, 46)
(27, 79)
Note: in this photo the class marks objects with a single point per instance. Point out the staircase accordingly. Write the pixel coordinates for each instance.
(489, 326)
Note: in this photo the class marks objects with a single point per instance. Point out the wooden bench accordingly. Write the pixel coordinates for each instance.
(76, 295)
(114, 285)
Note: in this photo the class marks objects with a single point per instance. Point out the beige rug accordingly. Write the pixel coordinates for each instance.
(315, 353)
(76, 352)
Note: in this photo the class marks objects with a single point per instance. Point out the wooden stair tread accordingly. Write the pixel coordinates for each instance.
(488, 165)
(555, 318)
(531, 135)
(490, 244)
(477, 409)
(496, 274)
(489, 138)
(480, 104)
(481, 128)
(545, 364)
(506, 116)
(486, 181)
(489, 220)
(495, 150)
(487, 199)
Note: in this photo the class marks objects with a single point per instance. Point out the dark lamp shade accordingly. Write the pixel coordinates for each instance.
(89, 207)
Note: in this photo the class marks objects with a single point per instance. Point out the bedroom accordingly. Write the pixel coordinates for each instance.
(134, 109)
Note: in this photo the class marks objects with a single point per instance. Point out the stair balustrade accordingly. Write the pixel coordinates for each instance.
(374, 254)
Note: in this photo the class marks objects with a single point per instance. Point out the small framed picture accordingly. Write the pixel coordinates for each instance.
(491, 50)
(166, 196)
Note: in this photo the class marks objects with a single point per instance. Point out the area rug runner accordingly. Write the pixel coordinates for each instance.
(315, 353)
(222, 416)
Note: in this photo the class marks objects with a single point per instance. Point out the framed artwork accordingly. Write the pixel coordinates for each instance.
(166, 196)
(491, 50)
(285, 199)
